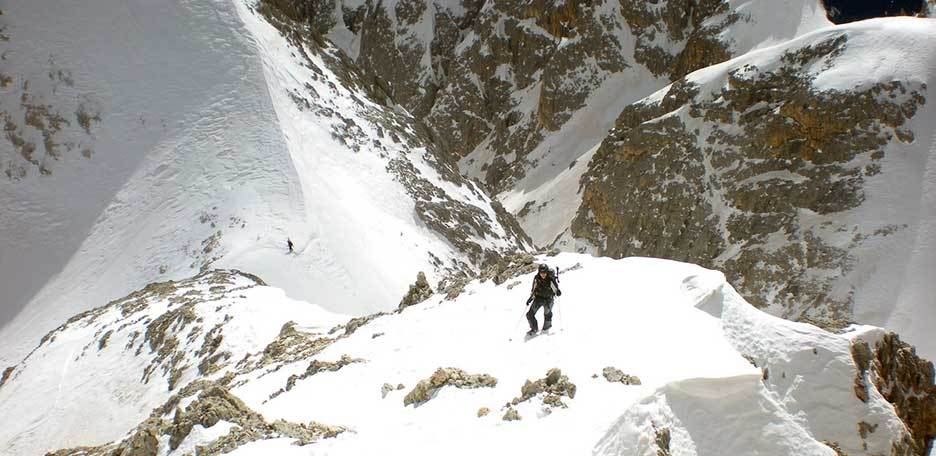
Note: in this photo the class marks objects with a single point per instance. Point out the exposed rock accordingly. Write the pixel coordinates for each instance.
(511, 415)
(38, 132)
(483, 411)
(662, 440)
(143, 443)
(172, 335)
(385, 389)
(7, 373)
(509, 267)
(555, 385)
(353, 324)
(614, 375)
(554, 401)
(426, 389)
(835, 447)
(732, 173)
(502, 75)
(418, 292)
(861, 353)
(213, 405)
(469, 220)
(907, 381)
(865, 429)
(315, 367)
(661, 27)
(292, 345)
(453, 286)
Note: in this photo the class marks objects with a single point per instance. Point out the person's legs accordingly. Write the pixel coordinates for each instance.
(547, 314)
(531, 314)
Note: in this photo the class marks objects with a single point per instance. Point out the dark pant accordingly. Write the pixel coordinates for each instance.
(546, 304)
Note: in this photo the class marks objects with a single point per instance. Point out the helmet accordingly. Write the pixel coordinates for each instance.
(543, 268)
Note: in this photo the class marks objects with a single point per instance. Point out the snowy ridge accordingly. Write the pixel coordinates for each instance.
(127, 357)
(179, 124)
(260, 141)
(681, 329)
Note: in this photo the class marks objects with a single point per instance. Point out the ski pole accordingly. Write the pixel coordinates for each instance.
(558, 311)
(514, 330)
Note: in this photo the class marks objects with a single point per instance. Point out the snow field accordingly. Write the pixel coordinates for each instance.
(680, 328)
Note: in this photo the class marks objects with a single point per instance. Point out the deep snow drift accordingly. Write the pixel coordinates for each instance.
(681, 329)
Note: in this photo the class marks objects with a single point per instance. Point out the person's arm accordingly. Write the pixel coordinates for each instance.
(556, 284)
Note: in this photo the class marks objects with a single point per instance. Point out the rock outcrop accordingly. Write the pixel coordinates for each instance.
(418, 292)
(511, 415)
(501, 76)
(468, 219)
(448, 376)
(315, 367)
(751, 179)
(615, 375)
(6, 375)
(554, 386)
(509, 267)
(387, 388)
(905, 380)
(290, 345)
(214, 404)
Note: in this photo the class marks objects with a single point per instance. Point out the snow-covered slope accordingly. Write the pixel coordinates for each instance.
(176, 113)
(681, 329)
(196, 136)
(126, 358)
(802, 170)
(525, 93)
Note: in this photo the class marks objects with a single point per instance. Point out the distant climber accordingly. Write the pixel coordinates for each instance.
(289, 244)
(545, 287)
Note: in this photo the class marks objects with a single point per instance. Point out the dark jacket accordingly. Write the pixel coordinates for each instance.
(545, 288)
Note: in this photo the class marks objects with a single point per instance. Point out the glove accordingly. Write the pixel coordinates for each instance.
(558, 292)
(529, 300)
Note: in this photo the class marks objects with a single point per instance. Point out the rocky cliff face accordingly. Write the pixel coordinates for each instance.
(482, 231)
(752, 172)
(754, 177)
(893, 368)
(497, 78)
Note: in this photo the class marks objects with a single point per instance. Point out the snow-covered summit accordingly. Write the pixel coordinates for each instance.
(652, 355)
